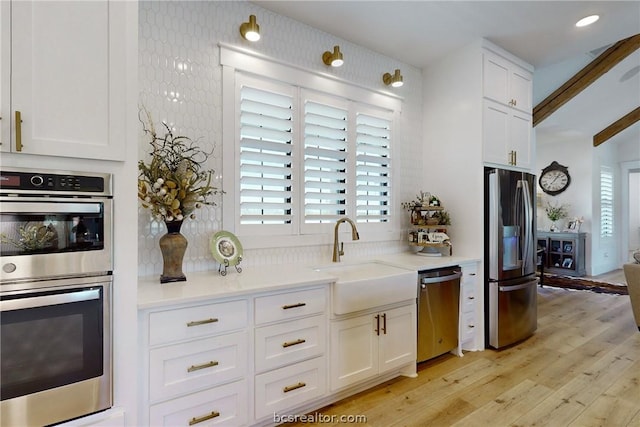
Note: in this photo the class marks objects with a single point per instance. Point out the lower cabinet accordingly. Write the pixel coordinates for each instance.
(290, 345)
(195, 360)
(225, 405)
(290, 386)
(468, 306)
(243, 361)
(371, 344)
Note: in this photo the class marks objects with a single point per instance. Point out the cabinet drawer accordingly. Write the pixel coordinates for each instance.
(469, 273)
(467, 326)
(290, 386)
(468, 299)
(284, 343)
(225, 405)
(182, 368)
(273, 308)
(195, 322)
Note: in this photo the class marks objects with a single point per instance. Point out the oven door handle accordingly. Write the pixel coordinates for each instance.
(45, 300)
(51, 207)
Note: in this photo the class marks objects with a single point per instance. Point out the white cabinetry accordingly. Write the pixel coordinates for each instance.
(468, 306)
(290, 349)
(507, 119)
(371, 344)
(507, 83)
(196, 362)
(68, 83)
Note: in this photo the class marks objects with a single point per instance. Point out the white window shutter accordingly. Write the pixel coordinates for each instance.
(325, 162)
(606, 202)
(266, 123)
(373, 178)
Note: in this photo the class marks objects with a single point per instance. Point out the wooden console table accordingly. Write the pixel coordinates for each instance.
(564, 252)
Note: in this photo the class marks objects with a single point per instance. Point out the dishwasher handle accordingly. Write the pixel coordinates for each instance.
(427, 280)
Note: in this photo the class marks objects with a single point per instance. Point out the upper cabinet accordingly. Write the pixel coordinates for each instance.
(507, 108)
(66, 94)
(506, 82)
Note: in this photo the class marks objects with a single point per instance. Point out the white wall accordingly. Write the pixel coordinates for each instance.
(633, 186)
(452, 157)
(180, 82)
(583, 195)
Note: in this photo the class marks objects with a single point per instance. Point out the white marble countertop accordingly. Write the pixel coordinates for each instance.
(210, 284)
(420, 262)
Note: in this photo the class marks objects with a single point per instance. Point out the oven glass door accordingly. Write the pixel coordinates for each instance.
(31, 226)
(51, 339)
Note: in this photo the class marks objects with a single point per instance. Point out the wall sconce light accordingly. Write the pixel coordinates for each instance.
(334, 59)
(250, 30)
(394, 80)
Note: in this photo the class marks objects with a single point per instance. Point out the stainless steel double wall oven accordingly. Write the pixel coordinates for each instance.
(56, 263)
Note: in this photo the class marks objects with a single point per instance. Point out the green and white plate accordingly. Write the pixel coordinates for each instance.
(226, 248)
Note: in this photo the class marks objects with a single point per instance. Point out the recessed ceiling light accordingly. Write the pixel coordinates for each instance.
(588, 20)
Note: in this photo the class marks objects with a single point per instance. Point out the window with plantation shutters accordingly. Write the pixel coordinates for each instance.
(606, 202)
(266, 122)
(302, 150)
(325, 162)
(373, 181)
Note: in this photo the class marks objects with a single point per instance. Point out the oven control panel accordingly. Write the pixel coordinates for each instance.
(46, 182)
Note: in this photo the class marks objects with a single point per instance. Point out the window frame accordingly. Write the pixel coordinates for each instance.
(607, 203)
(239, 63)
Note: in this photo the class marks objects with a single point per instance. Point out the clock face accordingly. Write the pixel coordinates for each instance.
(554, 179)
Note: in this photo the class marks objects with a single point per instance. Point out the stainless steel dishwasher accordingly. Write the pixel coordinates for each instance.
(438, 308)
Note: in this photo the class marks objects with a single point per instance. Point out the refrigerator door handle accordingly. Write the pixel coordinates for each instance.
(517, 287)
(528, 228)
(494, 244)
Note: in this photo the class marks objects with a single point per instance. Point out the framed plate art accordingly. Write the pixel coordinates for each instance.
(226, 249)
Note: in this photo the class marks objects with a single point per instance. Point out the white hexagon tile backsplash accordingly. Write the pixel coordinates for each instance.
(180, 84)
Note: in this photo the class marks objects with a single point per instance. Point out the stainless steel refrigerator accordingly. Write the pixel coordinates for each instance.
(511, 311)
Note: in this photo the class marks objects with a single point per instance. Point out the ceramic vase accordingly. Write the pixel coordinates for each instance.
(173, 246)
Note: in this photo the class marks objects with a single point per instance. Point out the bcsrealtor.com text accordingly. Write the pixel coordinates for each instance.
(318, 418)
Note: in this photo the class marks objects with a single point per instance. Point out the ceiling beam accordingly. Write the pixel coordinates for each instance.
(616, 127)
(589, 74)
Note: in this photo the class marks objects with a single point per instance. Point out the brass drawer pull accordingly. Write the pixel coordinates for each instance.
(18, 131)
(296, 342)
(196, 420)
(384, 323)
(300, 304)
(289, 388)
(203, 366)
(201, 322)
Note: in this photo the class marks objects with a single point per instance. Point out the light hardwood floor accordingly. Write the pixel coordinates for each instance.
(580, 369)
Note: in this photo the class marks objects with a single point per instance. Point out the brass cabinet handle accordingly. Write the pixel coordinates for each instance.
(201, 322)
(377, 324)
(202, 366)
(18, 131)
(289, 388)
(384, 323)
(515, 158)
(196, 420)
(296, 342)
(300, 304)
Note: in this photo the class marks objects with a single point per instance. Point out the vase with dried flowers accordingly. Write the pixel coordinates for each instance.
(172, 185)
(555, 213)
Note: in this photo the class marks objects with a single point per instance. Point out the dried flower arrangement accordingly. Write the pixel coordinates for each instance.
(173, 184)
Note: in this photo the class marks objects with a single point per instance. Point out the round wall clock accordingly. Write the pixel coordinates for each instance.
(554, 179)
